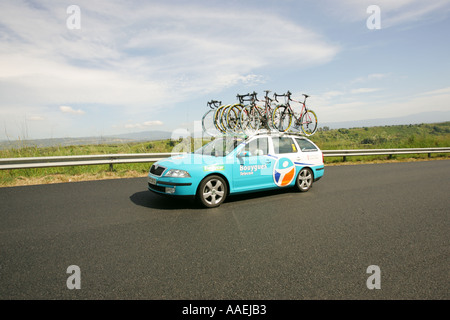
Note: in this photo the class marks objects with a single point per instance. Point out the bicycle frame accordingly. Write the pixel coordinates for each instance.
(304, 109)
(264, 116)
(284, 116)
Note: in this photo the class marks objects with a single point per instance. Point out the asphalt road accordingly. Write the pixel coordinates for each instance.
(132, 244)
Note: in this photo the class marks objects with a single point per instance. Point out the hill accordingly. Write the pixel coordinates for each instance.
(111, 139)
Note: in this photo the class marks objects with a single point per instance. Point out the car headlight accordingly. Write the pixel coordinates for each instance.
(175, 173)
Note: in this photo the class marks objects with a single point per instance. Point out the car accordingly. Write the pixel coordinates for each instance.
(233, 164)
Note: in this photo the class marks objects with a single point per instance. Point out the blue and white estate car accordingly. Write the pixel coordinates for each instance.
(232, 164)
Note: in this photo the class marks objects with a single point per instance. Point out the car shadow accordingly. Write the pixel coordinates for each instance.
(151, 200)
(257, 195)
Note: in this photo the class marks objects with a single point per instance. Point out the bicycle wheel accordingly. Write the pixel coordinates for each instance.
(254, 119)
(244, 117)
(208, 123)
(223, 119)
(249, 120)
(233, 118)
(309, 123)
(281, 118)
(218, 119)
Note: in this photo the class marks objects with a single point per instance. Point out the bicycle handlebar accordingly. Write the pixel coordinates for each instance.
(214, 104)
(251, 97)
(287, 94)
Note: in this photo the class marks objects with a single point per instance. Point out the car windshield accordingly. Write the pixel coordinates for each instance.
(219, 147)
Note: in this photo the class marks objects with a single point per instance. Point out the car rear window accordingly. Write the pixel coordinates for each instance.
(283, 145)
(305, 145)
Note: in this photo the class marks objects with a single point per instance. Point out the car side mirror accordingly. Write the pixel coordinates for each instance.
(244, 154)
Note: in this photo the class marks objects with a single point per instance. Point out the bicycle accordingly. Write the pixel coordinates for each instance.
(208, 124)
(247, 120)
(283, 114)
(226, 118)
(231, 115)
(260, 116)
(220, 118)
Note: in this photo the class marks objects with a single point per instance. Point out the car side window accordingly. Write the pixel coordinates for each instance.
(283, 145)
(258, 147)
(305, 145)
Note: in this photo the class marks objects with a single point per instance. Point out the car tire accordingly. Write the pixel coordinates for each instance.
(212, 191)
(304, 180)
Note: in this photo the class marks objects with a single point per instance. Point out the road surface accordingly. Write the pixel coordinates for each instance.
(131, 244)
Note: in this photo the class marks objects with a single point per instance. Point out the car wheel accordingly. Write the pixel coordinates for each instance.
(212, 191)
(304, 180)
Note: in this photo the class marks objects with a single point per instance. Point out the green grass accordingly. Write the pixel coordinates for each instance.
(75, 173)
(401, 136)
(384, 137)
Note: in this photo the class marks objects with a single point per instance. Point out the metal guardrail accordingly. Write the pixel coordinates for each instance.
(390, 152)
(82, 160)
(111, 159)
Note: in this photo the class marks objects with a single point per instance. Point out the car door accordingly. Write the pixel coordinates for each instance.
(308, 153)
(286, 154)
(253, 166)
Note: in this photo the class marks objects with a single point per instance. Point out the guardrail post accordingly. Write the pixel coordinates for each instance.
(344, 158)
(111, 167)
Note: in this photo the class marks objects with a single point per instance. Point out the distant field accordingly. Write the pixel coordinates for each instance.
(384, 137)
(399, 136)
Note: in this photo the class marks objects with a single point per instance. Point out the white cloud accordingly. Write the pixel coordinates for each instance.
(132, 54)
(393, 13)
(70, 110)
(443, 91)
(146, 124)
(345, 99)
(377, 76)
(370, 77)
(418, 10)
(36, 118)
(348, 108)
(332, 94)
(364, 90)
(153, 123)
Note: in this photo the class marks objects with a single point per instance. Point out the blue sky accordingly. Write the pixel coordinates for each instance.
(137, 66)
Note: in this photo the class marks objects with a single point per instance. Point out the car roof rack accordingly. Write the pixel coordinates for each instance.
(246, 136)
(278, 133)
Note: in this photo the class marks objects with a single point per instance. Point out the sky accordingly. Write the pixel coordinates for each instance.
(95, 68)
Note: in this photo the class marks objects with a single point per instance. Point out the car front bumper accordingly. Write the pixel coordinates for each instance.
(171, 186)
